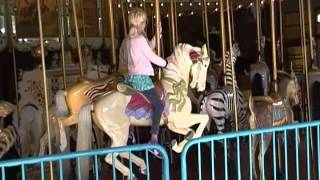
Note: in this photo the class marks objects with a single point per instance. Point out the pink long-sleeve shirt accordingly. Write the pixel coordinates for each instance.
(141, 55)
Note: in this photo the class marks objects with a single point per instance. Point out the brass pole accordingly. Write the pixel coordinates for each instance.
(124, 19)
(202, 17)
(11, 44)
(258, 10)
(83, 19)
(304, 55)
(172, 24)
(232, 68)
(61, 35)
(232, 21)
(305, 64)
(206, 24)
(158, 41)
(157, 13)
(223, 38)
(310, 30)
(308, 97)
(111, 26)
(274, 56)
(44, 82)
(281, 34)
(176, 23)
(75, 20)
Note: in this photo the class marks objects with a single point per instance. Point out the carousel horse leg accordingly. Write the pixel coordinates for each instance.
(136, 160)
(43, 144)
(267, 139)
(181, 122)
(254, 149)
(112, 158)
(84, 139)
(119, 166)
(118, 134)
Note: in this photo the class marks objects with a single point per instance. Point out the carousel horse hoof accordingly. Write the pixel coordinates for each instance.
(189, 135)
(174, 143)
(132, 177)
(143, 170)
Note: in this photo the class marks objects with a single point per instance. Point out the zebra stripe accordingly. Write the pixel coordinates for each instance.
(219, 106)
(219, 103)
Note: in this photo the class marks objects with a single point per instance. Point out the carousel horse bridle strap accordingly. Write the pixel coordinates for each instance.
(176, 97)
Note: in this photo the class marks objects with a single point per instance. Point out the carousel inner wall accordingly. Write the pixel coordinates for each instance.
(51, 126)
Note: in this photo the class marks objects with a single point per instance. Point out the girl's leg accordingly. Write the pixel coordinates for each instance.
(158, 107)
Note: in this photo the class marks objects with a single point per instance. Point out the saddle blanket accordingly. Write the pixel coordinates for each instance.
(139, 108)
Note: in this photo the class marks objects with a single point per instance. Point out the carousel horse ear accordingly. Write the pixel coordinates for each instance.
(293, 75)
(204, 50)
(194, 55)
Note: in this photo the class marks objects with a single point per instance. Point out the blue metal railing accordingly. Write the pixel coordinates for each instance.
(301, 165)
(94, 154)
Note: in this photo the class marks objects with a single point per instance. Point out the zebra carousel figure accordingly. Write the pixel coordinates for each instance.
(219, 103)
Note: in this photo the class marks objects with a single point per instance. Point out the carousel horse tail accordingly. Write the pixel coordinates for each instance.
(84, 138)
(61, 104)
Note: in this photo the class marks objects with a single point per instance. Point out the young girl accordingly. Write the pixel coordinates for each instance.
(140, 55)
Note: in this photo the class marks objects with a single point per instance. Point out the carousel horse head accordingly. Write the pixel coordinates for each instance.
(189, 61)
(289, 87)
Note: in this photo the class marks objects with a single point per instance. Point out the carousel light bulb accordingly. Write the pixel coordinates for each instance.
(128, 12)
(208, 3)
(239, 6)
(217, 3)
(161, 4)
(3, 30)
(119, 5)
(191, 13)
(151, 4)
(180, 14)
(181, 4)
(318, 18)
(216, 10)
(190, 4)
(251, 4)
(130, 5)
(128, 1)
(262, 2)
(141, 4)
(167, 15)
(199, 3)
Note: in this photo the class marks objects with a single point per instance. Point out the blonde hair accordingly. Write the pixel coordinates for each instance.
(136, 16)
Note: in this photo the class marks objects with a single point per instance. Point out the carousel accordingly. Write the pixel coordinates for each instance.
(232, 65)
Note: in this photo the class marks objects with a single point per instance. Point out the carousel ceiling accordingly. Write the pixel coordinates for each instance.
(186, 7)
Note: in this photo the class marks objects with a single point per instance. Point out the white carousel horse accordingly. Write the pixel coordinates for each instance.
(274, 110)
(31, 102)
(109, 110)
(7, 135)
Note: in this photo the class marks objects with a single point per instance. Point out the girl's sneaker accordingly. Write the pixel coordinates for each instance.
(155, 152)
